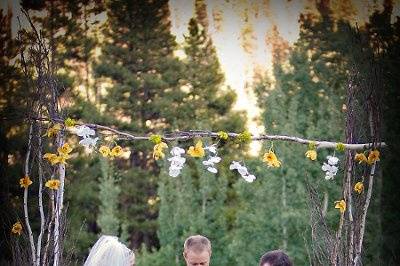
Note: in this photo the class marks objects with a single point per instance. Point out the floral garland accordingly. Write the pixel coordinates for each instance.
(177, 159)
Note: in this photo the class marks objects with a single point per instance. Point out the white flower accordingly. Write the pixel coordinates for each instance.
(332, 160)
(177, 161)
(242, 171)
(88, 142)
(213, 159)
(212, 170)
(174, 171)
(234, 165)
(329, 175)
(330, 167)
(212, 148)
(249, 178)
(84, 131)
(176, 151)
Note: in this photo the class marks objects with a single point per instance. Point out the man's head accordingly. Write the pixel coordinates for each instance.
(275, 258)
(197, 251)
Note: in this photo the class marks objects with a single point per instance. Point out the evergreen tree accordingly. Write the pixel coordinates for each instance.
(137, 58)
(198, 202)
(13, 94)
(306, 101)
(108, 195)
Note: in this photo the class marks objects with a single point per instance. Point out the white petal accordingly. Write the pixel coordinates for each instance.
(88, 142)
(234, 165)
(249, 178)
(215, 159)
(328, 176)
(174, 172)
(325, 167)
(208, 162)
(177, 160)
(243, 171)
(212, 170)
(212, 148)
(84, 131)
(177, 151)
(332, 160)
(176, 165)
(333, 170)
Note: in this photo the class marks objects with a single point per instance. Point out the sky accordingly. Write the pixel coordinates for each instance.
(239, 29)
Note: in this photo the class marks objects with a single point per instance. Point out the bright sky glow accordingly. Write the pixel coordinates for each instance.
(239, 64)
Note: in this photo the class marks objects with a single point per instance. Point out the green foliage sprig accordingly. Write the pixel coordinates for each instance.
(223, 135)
(244, 137)
(156, 139)
(340, 147)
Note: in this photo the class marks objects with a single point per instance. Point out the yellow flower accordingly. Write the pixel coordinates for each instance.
(312, 154)
(158, 150)
(53, 184)
(360, 157)
(105, 151)
(271, 159)
(64, 149)
(359, 187)
(341, 205)
(53, 131)
(25, 182)
(17, 228)
(116, 151)
(69, 122)
(197, 150)
(373, 156)
(51, 157)
(61, 158)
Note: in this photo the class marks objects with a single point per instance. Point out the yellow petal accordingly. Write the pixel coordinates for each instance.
(341, 205)
(359, 187)
(197, 150)
(105, 151)
(311, 154)
(373, 156)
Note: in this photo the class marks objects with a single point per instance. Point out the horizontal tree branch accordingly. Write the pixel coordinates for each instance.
(185, 135)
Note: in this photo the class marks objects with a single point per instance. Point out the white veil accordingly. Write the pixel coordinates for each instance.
(109, 251)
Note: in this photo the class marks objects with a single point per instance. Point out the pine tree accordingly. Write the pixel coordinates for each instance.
(108, 219)
(306, 100)
(137, 57)
(198, 202)
(14, 93)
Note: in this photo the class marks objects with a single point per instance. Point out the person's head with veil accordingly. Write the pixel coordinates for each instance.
(109, 251)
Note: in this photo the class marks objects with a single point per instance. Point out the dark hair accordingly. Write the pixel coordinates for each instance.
(275, 258)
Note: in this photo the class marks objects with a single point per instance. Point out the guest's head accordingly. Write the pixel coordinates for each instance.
(109, 251)
(275, 258)
(197, 251)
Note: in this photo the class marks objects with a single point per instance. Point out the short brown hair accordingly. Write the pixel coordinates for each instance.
(197, 243)
(276, 258)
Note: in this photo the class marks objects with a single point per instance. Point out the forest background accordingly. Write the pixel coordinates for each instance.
(120, 65)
